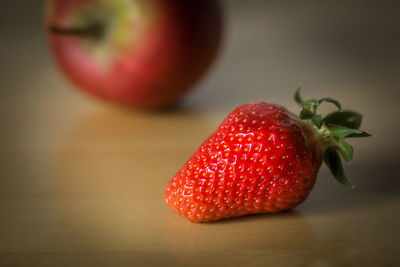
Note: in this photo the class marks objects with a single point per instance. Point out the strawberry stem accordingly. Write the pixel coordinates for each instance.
(332, 129)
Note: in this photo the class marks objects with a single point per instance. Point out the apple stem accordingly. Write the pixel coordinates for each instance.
(96, 30)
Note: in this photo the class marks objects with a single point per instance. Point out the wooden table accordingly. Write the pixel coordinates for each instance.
(82, 182)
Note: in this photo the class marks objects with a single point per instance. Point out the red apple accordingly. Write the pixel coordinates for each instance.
(136, 53)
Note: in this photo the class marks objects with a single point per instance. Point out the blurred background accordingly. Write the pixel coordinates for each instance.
(82, 181)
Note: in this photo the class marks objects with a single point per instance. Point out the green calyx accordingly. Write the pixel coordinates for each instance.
(332, 129)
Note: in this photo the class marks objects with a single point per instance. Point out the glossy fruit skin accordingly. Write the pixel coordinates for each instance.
(172, 55)
(261, 159)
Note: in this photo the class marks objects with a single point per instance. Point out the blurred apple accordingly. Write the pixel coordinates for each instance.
(136, 53)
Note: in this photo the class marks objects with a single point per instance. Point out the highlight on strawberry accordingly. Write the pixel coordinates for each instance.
(263, 159)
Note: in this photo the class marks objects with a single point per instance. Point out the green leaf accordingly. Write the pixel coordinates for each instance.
(306, 114)
(349, 119)
(342, 132)
(317, 120)
(297, 97)
(332, 159)
(346, 150)
(331, 100)
(361, 134)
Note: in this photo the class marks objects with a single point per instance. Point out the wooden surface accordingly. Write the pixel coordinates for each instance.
(82, 182)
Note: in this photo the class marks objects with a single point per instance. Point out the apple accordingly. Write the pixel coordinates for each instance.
(136, 53)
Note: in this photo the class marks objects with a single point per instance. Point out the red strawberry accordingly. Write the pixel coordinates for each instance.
(262, 158)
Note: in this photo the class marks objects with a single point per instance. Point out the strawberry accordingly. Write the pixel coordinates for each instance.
(262, 158)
